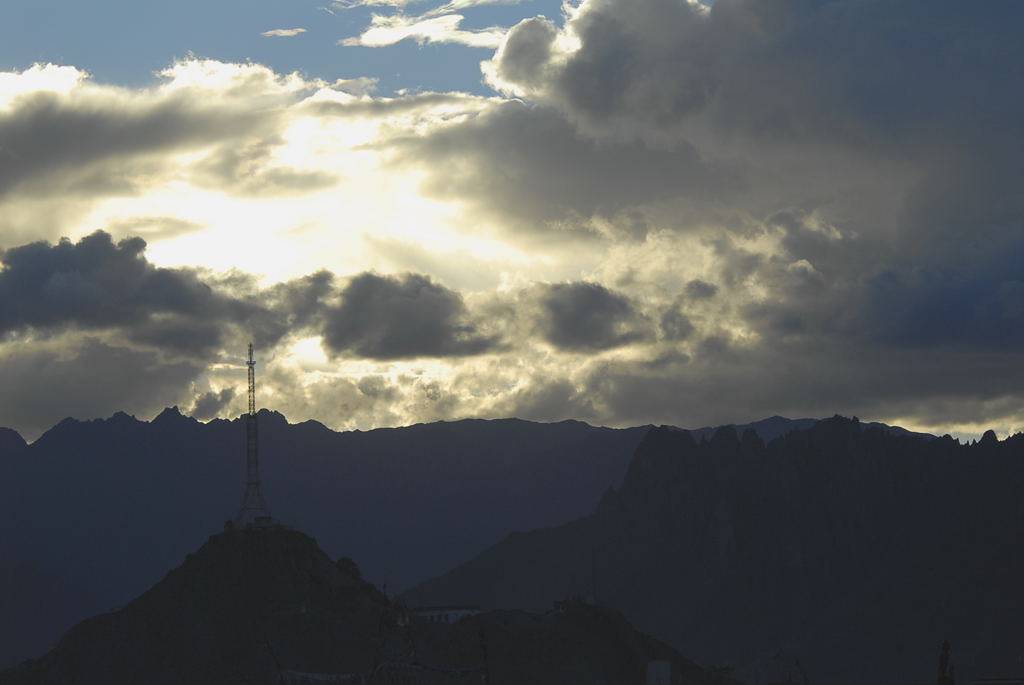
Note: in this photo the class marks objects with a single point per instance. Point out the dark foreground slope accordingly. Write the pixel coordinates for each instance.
(253, 606)
(855, 549)
(575, 643)
(94, 512)
(244, 600)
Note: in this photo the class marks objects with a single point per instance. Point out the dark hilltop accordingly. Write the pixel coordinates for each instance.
(266, 605)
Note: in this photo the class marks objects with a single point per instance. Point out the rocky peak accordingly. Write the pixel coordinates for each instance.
(171, 416)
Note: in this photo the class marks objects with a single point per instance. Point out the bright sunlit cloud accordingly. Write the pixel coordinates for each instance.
(388, 30)
(46, 78)
(446, 7)
(283, 33)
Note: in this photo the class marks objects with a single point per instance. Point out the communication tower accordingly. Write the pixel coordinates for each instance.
(254, 510)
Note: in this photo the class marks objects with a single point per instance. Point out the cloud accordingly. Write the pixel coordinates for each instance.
(50, 140)
(350, 4)
(527, 162)
(586, 317)
(454, 5)
(68, 144)
(211, 404)
(789, 69)
(675, 324)
(459, 269)
(289, 308)
(362, 85)
(835, 200)
(282, 33)
(99, 285)
(798, 379)
(93, 284)
(387, 30)
(97, 302)
(547, 399)
(700, 290)
(396, 317)
(419, 105)
(666, 213)
(789, 96)
(154, 227)
(248, 170)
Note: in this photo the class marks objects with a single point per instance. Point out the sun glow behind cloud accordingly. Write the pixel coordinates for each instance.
(617, 240)
(281, 233)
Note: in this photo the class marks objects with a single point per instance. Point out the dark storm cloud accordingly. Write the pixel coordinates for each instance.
(897, 119)
(301, 300)
(739, 112)
(293, 307)
(60, 142)
(586, 317)
(700, 290)
(72, 312)
(675, 324)
(956, 305)
(186, 334)
(396, 317)
(864, 71)
(528, 163)
(874, 209)
(527, 51)
(210, 404)
(95, 283)
(980, 308)
(797, 378)
(547, 399)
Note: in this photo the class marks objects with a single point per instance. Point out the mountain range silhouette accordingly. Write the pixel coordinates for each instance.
(697, 527)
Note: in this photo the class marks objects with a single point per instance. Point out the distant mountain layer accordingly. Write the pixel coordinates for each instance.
(253, 606)
(777, 426)
(856, 550)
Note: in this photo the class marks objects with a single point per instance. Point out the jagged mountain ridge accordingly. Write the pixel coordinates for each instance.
(858, 550)
(778, 426)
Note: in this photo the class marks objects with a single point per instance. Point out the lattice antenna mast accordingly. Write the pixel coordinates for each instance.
(252, 382)
(254, 509)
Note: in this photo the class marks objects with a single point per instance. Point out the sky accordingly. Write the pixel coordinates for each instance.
(618, 211)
